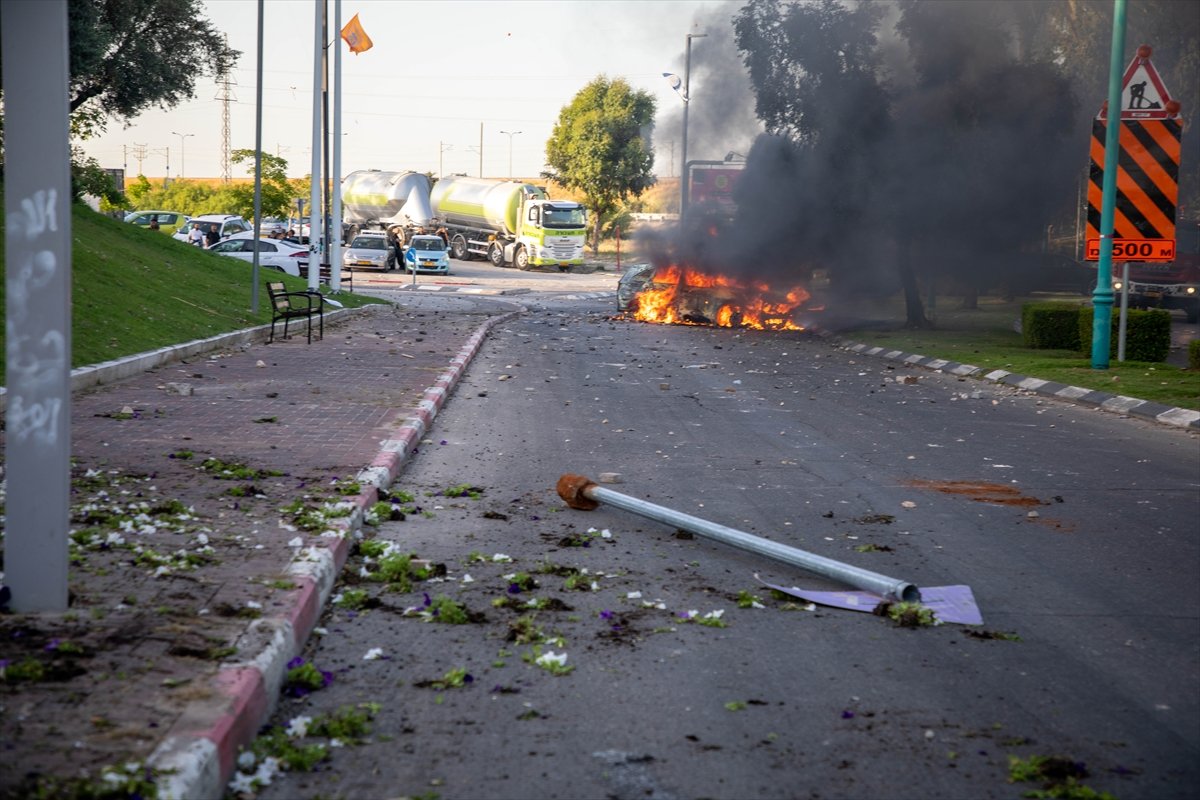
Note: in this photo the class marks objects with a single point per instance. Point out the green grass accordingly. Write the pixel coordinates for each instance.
(134, 290)
(986, 338)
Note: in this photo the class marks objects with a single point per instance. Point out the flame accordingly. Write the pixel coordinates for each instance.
(685, 296)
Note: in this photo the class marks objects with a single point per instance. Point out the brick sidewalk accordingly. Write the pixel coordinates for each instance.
(181, 622)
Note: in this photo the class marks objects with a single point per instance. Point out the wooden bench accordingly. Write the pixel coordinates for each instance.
(347, 277)
(288, 306)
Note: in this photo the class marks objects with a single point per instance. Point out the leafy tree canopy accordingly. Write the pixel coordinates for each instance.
(128, 55)
(598, 148)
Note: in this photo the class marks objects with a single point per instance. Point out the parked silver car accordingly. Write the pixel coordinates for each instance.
(370, 250)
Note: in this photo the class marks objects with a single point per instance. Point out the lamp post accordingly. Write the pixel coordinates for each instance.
(182, 151)
(510, 134)
(442, 148)
(687, 101)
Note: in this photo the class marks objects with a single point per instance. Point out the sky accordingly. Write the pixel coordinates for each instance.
(438, 73)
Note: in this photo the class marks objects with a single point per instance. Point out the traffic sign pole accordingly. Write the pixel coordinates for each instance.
(1102, 297)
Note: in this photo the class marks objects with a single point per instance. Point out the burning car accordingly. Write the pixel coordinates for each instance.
(675, 295)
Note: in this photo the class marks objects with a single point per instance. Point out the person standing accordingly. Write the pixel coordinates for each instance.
(196, 236)
(212, 236)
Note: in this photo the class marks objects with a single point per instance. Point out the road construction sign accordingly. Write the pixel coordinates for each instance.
(1143, 93)
(1147, 169)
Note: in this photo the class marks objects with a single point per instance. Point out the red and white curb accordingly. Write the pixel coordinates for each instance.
(199, 755)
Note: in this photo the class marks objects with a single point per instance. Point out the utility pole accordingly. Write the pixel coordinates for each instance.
(442, 148)
(139, 152)
(481, 149)
(225, 82)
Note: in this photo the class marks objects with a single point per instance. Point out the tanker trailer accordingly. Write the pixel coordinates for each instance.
(377, 200)
(509, 223)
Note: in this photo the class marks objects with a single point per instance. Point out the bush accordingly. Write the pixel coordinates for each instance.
(1050, 326)
(1194, 354)
(1147, 334)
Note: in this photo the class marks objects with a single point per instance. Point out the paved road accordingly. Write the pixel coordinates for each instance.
(784, 437)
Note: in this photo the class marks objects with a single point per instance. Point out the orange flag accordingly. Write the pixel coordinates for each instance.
(356, 37)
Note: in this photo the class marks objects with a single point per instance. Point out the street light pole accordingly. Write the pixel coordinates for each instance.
(182, 151)
(687, 101)
(510, 134)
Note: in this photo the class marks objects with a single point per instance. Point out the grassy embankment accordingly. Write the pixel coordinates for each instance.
(134, 290)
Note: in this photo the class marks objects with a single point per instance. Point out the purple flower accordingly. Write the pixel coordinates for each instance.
(52, 645)
(444, 442)
(514, 588)
(468, 678)
(534, 517)
(428, 601)
(606, 614)
(295, 662)
(847, 715)
(326, 678)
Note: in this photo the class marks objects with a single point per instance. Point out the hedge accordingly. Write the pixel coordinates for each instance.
(1147, 334)
(1050, 326)
(1194, 354)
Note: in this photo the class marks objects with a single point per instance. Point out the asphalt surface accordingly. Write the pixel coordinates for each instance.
(359, 402)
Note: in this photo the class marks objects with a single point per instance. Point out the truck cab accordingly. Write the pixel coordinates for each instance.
(551, 233)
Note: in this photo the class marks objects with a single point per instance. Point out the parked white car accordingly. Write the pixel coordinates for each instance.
(227, 225)
(273, 254)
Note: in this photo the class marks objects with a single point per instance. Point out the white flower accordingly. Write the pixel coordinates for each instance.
(373, 654)
(246, 759)
(163, 570)
(202, 538)
(632, 595)
(606, 534)
(363, 572)
(509, 576)
(551, 658)
(297, 728)
(320, 631)
(336, 743)
(756, 604)
(296, 542)
(690, 613)
(114, 539)
(714, 614)
(241, 783)
(595, 586)
(501, 557)
(466, 578)
(252, 604)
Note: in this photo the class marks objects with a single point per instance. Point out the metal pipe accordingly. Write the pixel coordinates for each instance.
(581, 493)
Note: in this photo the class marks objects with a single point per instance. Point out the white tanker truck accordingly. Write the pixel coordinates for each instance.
(507, 222)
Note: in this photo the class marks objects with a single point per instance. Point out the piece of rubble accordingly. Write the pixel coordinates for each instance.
(181, 389)
(610, 477)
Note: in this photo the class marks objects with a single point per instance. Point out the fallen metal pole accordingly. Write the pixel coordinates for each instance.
(581, 493)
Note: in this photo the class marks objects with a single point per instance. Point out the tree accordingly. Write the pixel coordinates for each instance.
(598, 148)
(128, 55)
(277, 193)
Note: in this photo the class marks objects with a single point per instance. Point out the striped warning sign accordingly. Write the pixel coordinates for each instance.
(1147, 190)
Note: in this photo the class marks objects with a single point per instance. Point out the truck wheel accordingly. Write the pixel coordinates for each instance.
(521, 258)
(458, 248)
(496, 255)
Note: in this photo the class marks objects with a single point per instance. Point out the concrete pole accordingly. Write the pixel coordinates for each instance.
(258, 104)
(335, 239)
(37, 258)
(314, 193)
